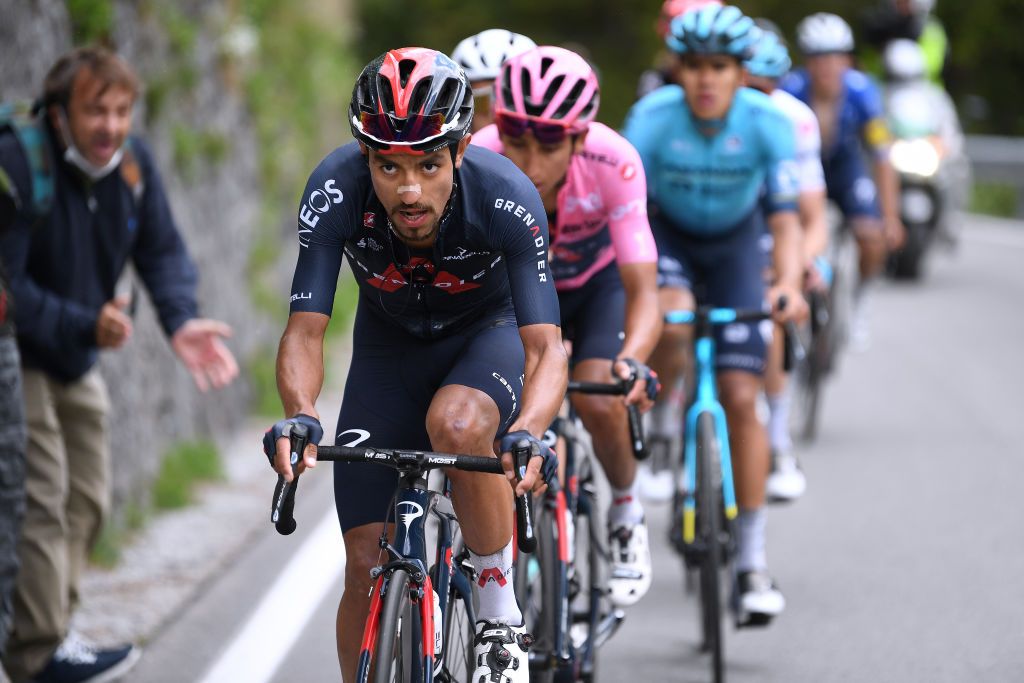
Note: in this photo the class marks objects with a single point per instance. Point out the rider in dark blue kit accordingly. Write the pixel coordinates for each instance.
(456, 340)
(849, 110)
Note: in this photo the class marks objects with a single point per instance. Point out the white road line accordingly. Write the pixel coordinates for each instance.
(266, 639)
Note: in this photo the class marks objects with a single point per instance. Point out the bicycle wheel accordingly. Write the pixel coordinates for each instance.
(398, 648)
(810, 374)
(537, 585)
(457, 662)
(709, 525)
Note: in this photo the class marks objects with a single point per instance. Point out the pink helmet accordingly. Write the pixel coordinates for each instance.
(676, 8)
(549, 83)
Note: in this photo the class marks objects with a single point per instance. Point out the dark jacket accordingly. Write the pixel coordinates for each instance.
(63, 268)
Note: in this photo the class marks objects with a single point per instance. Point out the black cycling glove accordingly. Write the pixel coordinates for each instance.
(284, 427)
(538, 449)
(638, 371)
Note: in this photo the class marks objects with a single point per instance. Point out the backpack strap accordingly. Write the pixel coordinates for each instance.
(31, 136)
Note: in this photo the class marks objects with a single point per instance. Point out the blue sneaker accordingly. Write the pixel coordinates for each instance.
(75, 661)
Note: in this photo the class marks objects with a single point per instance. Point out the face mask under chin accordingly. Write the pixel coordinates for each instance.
(74, 156)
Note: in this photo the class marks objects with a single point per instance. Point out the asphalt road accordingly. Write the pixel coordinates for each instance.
(903, 562)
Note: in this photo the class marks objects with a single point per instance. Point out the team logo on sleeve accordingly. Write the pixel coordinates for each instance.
(318, 201)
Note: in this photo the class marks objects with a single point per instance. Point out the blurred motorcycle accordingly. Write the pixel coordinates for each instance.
(927, 153)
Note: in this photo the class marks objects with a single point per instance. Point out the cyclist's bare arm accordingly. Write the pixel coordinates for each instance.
(788, 262)
(300, 376)
(643, 317)
(813, 219)
(544, 386)
(888, 183)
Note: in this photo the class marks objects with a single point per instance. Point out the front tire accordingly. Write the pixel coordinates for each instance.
(397, 642)
(709, 530)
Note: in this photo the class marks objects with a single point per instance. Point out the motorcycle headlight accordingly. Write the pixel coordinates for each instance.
(915, 157)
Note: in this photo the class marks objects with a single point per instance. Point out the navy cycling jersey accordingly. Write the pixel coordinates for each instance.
(489, 260)
(860, 118)
(707, 184)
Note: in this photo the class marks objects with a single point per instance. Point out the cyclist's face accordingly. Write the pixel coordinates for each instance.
(414, 190)
(99, 117)
(826, 72)
(710, 82)
(545, 165)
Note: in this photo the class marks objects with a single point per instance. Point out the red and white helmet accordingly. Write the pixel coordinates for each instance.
(674, 8)
(412, 99)
(549, 85)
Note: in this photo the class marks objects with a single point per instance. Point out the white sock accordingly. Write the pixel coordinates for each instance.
(778, 420)
(495, 587)
(625, 509)
(750, 527)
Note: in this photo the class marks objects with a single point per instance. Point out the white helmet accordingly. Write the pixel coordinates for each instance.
(904, 60)
(483, 54)
(824, 33)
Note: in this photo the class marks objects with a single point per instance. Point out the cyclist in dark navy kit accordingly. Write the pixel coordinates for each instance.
(456, 340)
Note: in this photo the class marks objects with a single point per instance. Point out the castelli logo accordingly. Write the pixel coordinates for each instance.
(628, 172)
(369, 220)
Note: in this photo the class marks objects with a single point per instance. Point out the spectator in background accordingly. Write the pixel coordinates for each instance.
(481, 57)
(12, 433)
(109, 206)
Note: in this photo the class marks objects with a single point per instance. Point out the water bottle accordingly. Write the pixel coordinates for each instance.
(438, 624)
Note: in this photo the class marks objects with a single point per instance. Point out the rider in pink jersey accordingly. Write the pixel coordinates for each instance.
(601, 214)
(603, 261)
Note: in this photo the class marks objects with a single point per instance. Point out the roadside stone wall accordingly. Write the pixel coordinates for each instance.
(214, 193)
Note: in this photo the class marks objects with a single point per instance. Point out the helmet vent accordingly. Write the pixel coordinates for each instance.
(570, 100)
(405, 69)
(545, 64)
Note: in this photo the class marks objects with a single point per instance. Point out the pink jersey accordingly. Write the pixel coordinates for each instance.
(602, 208)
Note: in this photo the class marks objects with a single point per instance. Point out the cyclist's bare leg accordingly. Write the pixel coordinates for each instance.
(670, 358)
(775, 377)
(871, 246)
(465, 420)
(361, 555)
(748, 439)
(605, 419)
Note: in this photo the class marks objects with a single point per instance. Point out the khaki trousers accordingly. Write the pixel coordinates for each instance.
(67, 499)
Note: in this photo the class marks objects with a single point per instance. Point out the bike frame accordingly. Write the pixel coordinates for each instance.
(409, 551)
(705, 401)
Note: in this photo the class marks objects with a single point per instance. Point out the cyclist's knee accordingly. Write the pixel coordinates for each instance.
(738, 393)
(461, 420)
(600, 413)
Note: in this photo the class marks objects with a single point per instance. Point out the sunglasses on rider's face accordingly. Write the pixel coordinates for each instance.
(546, 132)
(381, 127)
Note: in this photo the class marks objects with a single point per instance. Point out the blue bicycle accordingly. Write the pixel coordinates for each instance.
(705, 510)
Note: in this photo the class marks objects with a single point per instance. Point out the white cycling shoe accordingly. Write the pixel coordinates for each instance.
(787, 481)
(501, 653)
(759, 599)
(630, 577)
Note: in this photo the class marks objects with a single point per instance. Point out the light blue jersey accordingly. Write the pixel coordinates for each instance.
(707, 185)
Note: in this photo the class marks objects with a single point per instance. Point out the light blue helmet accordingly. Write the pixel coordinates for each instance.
(712, 30)
(770, 58)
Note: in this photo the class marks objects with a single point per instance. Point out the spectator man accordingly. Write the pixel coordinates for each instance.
(108, 207)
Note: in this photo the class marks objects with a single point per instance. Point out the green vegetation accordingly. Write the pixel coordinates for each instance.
(262, 372)
(116, 533)
(91, 20)
(181, 469)
(994, 199)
